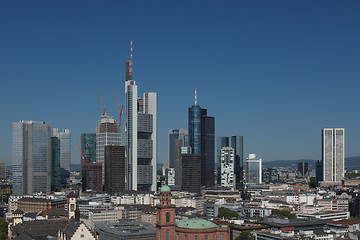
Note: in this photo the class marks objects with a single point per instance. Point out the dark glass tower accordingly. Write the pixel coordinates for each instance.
(88, 146)
(195, 113)
(114, 169)
(55, 164)
(237, 143)
(202, 141)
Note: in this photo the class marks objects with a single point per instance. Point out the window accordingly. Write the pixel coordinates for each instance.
(167, 235)
(206, 237)
(214, 236)
(186, 237)
(167, 217)
(177, 237)
(221, 237)
(196, 237)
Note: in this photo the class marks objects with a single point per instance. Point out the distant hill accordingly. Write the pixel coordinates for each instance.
(350, 163)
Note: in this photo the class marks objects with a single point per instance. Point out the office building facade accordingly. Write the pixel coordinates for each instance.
(91, 174)
(65, 147)
(88, 146)
(31, 157)
(140, 135)
(253, 170)
(107, 133)
(227, 165)
(191, 172)
(177, 139)
(333, 154)
(237, 143)
(303, 169)
(55, 164)
(202, 141)
(114, 169)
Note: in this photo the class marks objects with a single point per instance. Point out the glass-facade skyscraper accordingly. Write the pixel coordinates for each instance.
(177, 138)
(202, 141)
(31, 157)
(65, 147)
(55, 164)
(237, 143)
(253, 170)
(88, 146)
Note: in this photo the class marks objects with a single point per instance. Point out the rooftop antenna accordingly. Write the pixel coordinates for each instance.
(195, 97)
(131, 59)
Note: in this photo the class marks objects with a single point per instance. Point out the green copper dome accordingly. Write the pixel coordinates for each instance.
(165, 188)
(195, 223)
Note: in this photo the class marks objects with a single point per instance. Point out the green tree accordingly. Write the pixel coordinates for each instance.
(245, 235)
(312, 183)
(227, 213)
(3, 229)
(284, 213)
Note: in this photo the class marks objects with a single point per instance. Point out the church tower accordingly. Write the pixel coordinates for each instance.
(72, 206)
(165, 219)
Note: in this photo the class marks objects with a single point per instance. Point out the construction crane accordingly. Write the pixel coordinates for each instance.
(120, 109)
(82, 156)
(102, 107)
(299, 190)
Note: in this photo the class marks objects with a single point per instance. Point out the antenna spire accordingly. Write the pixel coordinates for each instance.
(131, 59)
(195, 96)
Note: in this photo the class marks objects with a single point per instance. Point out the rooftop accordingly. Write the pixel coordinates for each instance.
(195, 223)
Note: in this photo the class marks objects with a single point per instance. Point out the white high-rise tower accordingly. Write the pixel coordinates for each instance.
(140, 135)
(333, 154)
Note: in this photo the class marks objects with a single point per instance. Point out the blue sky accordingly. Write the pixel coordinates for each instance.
(276, 72)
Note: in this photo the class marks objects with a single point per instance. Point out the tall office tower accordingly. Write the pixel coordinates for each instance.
(114, 169)
(253, 169)
(237, 143)
(202, 140)
(319, 172)
(65, 147)
(31, 157)
(91, 174)
(177, 139)
(227, 165)
(55, 164)
(140, 135)
(303, 169)
(191, 172)
(178, 165)
(333, 154)
(2, 170)
(107, 133)
(221, 142)
(88, 146)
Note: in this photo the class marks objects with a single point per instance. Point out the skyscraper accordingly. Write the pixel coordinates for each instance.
(191, 172)
(202, 140)
(31, 154)
(221, 142)
(88, 146)
(65, 147)
(303, 168)
(237, 143)
(333, 154)
(107, 133)
(177, 139)
(227, 155)
(55, 164)
(114, 169)
(140, 135)
(253, 170)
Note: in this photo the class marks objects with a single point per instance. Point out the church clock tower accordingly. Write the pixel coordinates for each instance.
(165, 219)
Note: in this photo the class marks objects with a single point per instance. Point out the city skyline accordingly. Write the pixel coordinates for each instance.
(280, 62)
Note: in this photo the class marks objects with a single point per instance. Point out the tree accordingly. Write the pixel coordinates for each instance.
(227, 213)
(312, 183)
(3, 229)
(245, 235)
(283, 213)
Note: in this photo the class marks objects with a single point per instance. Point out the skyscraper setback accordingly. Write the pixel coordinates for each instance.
(140, 135)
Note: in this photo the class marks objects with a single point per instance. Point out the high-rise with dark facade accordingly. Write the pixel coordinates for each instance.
(88, 146)
(177, 138)
(114, 169)
(303, 169)
(191, 172)
(55, 164)
(237, 143)
(92, 176)
(202, 141)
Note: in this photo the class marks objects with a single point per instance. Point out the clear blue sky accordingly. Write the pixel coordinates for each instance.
(276, 72)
